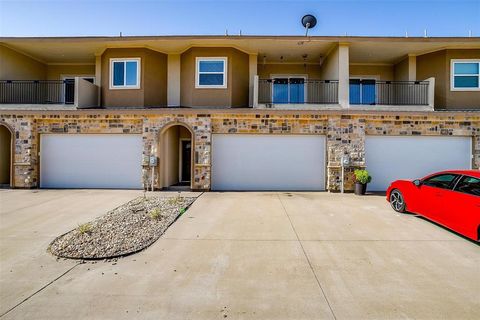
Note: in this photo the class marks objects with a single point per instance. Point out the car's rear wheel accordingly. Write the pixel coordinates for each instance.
(397, 201)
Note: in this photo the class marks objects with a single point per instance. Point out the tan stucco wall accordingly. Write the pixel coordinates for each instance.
(240, 79)
(236, 93)
(265, 71)
(153, 79)
(329, 69)
(55, 72)
(400, 70)
(5, 154)
(16, 66)
(433, 65)
(86, 94)
(461, 99)
(379, 71)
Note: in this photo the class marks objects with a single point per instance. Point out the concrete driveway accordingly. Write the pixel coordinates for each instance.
(240, 256)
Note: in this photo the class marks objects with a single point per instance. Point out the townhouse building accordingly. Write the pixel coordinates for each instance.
(235, 112)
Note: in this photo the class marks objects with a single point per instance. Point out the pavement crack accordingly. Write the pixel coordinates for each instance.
(38, 291)
(306, 257)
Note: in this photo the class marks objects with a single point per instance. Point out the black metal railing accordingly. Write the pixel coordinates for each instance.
(371, 92)
(297, 91)
(37, 91)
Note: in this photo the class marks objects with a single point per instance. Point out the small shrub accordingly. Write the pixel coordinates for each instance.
(155, 214)
(174, 200)
(84, 228)
(362, 176)
(182, 211)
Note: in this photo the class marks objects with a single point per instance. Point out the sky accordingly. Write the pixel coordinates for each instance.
(267, 17)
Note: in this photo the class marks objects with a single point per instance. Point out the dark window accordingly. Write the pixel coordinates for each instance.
(443, 181)
(469, 185)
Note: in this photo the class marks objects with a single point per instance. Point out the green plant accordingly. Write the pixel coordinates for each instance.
(182, 211)
(84, 228)
(362, 176)
(174, 200)
(155, 214)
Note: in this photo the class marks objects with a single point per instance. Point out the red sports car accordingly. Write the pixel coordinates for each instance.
(450, 198)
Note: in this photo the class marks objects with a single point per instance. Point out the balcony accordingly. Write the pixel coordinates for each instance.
(368, 94)
(77, 93)
(391, 93)
(284, 93)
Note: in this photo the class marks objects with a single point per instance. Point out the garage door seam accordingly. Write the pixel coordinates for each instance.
(38, 291)
(306, 257)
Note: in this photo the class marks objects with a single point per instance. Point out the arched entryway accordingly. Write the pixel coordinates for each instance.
(176, 145)
(6, 144)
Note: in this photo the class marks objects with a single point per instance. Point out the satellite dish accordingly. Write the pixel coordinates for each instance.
(308, 22)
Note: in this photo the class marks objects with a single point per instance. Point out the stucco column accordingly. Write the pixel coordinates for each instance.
(252, 70)
(412, 68)
(173, 80)
(343, 75)
(98, 77)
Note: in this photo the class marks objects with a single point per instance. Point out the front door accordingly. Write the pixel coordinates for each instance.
(435, 196)
(186, 153)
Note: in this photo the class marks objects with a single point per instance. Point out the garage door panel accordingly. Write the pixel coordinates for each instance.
(90, 161)
(268, 162)
(389, 158)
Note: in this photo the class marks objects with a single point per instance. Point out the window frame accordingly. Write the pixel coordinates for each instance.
(197, 73)
(125, 86)
(452, 74)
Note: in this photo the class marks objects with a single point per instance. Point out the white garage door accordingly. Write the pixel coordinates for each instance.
(91, 161)
(389, 158)
(268, 162)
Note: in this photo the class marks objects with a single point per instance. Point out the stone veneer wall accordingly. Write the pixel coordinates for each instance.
(345, 133)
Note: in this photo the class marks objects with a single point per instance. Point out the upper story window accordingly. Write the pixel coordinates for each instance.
(465, 75)
(211, 73)
(125, 73)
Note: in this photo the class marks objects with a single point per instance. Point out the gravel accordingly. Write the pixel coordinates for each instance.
(122, 231)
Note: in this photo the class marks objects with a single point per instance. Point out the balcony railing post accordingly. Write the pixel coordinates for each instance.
(255, 91)
(431, 92)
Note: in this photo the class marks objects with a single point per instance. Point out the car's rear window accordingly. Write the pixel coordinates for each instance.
(469, 185)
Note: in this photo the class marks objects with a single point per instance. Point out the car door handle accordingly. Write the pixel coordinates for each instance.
(438, 194)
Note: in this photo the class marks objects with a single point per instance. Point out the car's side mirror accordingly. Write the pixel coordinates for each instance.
(417, 182)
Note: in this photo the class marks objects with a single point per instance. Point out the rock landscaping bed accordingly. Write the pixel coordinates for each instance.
(122, 231)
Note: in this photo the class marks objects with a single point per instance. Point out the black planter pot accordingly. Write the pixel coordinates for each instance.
(360, 188)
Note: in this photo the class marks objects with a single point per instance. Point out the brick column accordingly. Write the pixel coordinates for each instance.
(345, 134)
(25, 151)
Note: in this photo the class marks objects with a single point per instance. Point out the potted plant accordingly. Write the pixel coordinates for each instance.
(361, 179)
